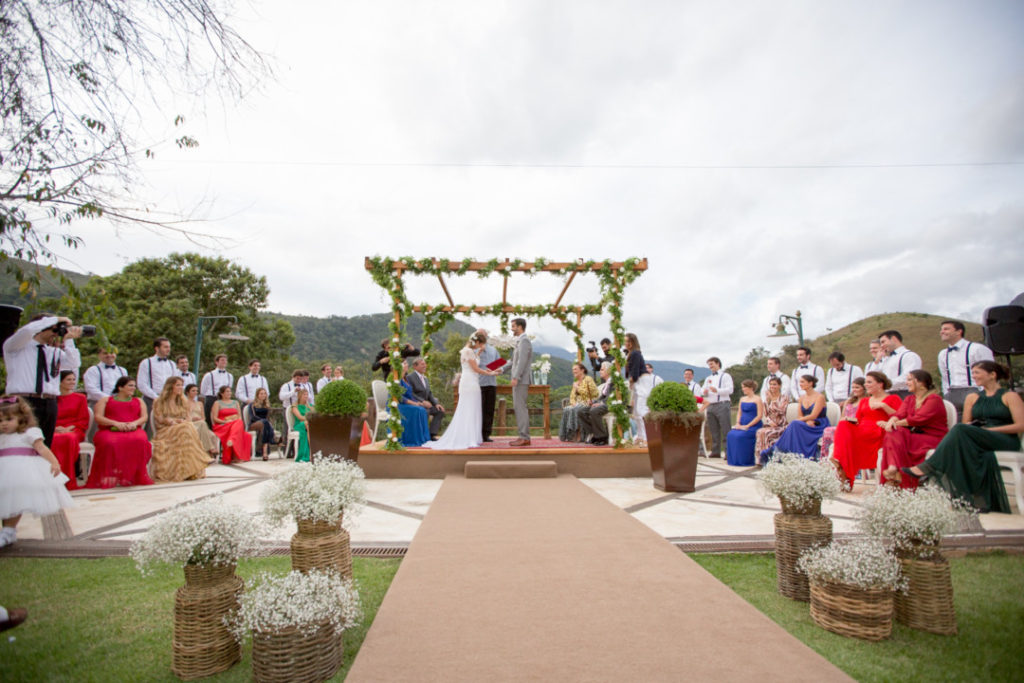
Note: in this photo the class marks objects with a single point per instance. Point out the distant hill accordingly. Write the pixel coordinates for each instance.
(49, 282)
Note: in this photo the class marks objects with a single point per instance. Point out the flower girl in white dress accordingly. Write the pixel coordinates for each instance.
(465, 429)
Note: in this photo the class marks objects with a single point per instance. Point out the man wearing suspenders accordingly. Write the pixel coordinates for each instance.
(955, 363)
(839, 380)
(899, 362)
(153, 372)
(212, 382)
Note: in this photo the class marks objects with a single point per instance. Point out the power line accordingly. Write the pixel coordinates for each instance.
(683, 167)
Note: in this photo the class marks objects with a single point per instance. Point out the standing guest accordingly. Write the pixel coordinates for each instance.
(877, 353)
(187, 377)
(847, 409)
(916, 428)
(72, 424)
(692, 384)
(289, 391)
(598, 358)
(840, 376)
(774, 418)
(178, 454)
(382, 361)
(99, 379)
(213, 381)
(964, 463)
(858, 438)
(30, 476)
(774, 370)
(592, 417)
(641, 381)
(802, 434)
(739, 450)
(230, 429)
(717, 390)
(153, 372)
(34, 357)
(582, 394)
(250, 382)
(804, 367)
(899, 362)
(955, 362)
(259, 416)
(211, 444)
(300, 415)
(488, 386)
(325, 377)
(417, 379)
(122, 449)
(339, 373)
(522, 361)
(656, 379)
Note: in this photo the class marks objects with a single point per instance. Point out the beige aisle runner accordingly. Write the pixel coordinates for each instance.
(545, 580)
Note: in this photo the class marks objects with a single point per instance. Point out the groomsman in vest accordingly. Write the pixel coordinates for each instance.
(245, 389)
(153, 372)
(99, 379)
(839, 380)
(804, 367)
(183, 371)
(899, 362)
(213, 381)
(877, 362)
(417, 379)
(488, 387)
(774, 370)
(955, 363)
(717, 390)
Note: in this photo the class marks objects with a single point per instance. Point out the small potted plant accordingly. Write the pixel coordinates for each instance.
(296, 621)
(336, 426)
(852, 585)
(673, 436)
(205, 538)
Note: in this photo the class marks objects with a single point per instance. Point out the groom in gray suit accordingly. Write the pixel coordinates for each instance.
(522, 364)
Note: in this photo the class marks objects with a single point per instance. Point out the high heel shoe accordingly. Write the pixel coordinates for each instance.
(910, 473)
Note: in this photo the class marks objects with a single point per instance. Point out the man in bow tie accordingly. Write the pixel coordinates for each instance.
(245, 389)
(99, 379)
(717, 391)
(213, 381)
(183, 371)
(955, 363)
(839, 381)
(774, 370)
(804, 366)
(153, 372)
(900, 361)
(417, 379)
(877, 353)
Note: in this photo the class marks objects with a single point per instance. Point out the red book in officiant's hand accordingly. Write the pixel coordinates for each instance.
(494, 365)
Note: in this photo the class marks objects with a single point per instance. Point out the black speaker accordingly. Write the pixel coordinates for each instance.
(9, 317)
(1004, 329)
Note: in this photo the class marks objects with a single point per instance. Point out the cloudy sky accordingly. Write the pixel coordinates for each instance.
(840, 158)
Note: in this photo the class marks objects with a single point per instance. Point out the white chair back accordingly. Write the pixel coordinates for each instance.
(792, 411)
(950, 413)
(380, 401)
(832, 412)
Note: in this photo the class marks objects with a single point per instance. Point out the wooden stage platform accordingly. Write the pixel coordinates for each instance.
(581, 460)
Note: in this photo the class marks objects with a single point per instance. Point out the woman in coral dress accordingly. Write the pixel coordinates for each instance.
(916, 428)
(229, 427)
(122, 449)
(858, 439)
(177, 452)
(72, 423)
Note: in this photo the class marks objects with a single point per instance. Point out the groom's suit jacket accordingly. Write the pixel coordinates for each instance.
(420, 389)
(522, 360)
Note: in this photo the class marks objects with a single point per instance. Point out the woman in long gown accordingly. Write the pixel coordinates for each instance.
(739, 443)
(802, 434)
(259, 421)
(72, 423)
(300, 423)
(964, 463)
(916, 428)
(774, 418)
(122, 449)
(177, 452)
(226, 416)
(211, 444)
(858, 439)
(413, 412)
(465, 429)
(848, 409)
(582, 394)
(640, 381)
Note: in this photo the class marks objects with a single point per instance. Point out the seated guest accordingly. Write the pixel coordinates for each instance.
(226, 415)
(178, 454)
(774, 417)
(592, 417)
(964, 463)
(300, 411)
(122, 449)
(417, 379)
(839, 379)
(916, 428)
(847, 409)
(955, 363)
(197, 408)
(415, 427)
(72, 423)
(899, 362)
(858, 438)
(739, 444)
(259, 421)
(802, 434)
(581, 396)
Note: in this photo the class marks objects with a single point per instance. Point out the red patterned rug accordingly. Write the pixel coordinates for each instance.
(504, 441)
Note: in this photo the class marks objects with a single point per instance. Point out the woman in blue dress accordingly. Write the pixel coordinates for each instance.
(803, 433)
(415, 423)
(739, 444)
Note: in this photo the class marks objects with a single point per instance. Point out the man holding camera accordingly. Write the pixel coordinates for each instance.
(596, 360)
(35, 356)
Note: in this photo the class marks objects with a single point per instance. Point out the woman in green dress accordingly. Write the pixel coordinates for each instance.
(964, 463)
(300, 411)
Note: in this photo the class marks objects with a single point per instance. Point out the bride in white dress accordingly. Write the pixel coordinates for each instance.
(465, 429)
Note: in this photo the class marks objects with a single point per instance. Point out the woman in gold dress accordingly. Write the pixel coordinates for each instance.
(177, 452)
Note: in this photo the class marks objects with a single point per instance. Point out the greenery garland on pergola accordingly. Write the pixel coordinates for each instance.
(613, 276)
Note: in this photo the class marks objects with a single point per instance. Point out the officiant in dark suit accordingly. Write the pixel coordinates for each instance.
(417, 379)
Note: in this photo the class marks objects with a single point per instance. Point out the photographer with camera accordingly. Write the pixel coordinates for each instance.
(35, 356)
(597, 359)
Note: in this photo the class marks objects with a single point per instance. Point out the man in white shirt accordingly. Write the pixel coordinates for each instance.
(417, 379)
(99, 379)
(899, 362)
(717, 390)
(213, 381)
(657, 378)
(955, 363)
(325, 371)
(183, 371)
(288, 393)
(693, 385)
(839, 380)
(804, 367)
(774, 370)
(245, 389)
(877, 362)
(153, 372)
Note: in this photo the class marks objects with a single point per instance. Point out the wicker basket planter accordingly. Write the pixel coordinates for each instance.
(852, 611)
(202, 644)
(321, 545)
(927, 604)
(794, 534)
(811, 507)
(297, 656)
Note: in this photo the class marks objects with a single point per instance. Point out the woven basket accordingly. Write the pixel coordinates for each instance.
(295, 656)
(795, 534)
(202, 645)
(864, 613)
(812, 507)
(320, 545)
(928, 603)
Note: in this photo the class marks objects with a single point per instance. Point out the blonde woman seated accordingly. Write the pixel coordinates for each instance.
(206, 436)
(582, 396)
(177, 453)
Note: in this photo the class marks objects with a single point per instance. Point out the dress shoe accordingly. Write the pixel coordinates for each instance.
(488, 440)
(519, 442)
(599, 442)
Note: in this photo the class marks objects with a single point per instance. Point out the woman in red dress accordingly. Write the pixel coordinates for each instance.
(122, 449)
(916, 428)
(858, 438)
(72, 423)
(228, 425)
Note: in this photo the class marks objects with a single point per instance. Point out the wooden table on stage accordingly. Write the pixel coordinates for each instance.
(501, 427)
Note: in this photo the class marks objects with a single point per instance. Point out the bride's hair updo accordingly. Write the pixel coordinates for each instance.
(474, 338)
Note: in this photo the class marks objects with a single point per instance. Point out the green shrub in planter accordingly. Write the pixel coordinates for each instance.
(343, 398)
(673, 402)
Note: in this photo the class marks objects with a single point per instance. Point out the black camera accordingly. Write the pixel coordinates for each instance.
(592, 349)
(61, 329)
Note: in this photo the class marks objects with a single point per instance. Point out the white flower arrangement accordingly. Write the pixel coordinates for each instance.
(320, 491)
(907, 518)
(861, 562)
(502, 342)
(301, 600)
(205, 532)
(543, 364)
(798, 479)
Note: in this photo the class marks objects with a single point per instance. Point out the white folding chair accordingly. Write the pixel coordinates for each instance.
(86, 451)
(246, 419)
(1014, 461)
(950, 423)
(380, 400)
(293, 436)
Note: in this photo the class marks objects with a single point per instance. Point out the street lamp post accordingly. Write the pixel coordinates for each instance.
(798, 326)
(201, 324)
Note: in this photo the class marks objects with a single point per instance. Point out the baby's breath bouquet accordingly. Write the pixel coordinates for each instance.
(206, 532)
(320, 491)
(862, 562)
(302, 600)
(798, 481)
(912, 521)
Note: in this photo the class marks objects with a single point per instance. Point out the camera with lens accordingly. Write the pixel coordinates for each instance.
(61, 329)
(592, 349)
